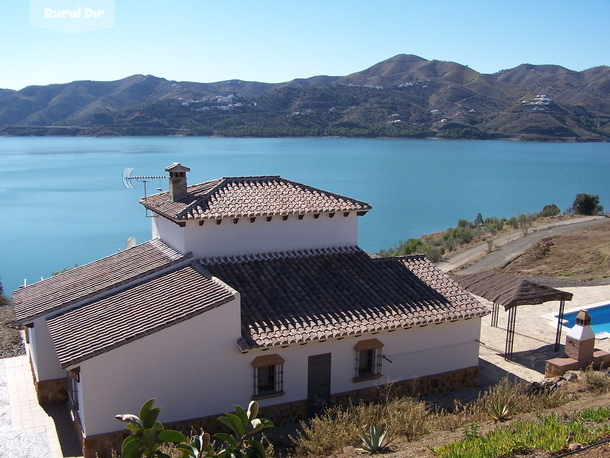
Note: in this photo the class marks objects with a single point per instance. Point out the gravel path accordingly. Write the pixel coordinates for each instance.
(16, 443)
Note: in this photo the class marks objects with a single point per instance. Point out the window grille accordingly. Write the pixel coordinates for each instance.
(268, 380)
(368, 363)
(368, 359)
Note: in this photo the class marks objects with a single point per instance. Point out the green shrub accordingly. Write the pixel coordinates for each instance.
(148, 438)
(587, 204)
(435, 253)
(550, 210)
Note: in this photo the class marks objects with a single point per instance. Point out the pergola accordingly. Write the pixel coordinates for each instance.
(511, 292)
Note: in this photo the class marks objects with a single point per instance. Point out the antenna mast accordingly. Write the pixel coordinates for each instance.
(127, 178)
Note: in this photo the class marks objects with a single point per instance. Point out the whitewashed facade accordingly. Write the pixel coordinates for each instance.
(89, 343)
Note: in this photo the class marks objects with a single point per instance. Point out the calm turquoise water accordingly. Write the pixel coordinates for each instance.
(62, 201)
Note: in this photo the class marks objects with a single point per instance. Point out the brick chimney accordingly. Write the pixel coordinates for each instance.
(580, 341)
(177, 181)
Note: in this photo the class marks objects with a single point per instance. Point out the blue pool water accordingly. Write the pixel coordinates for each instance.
(600, 318)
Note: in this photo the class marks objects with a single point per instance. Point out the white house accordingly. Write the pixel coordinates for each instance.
(251, 288)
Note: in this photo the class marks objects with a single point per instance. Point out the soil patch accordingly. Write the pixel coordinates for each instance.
(582, 255)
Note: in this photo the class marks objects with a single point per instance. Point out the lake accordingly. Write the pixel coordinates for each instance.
(63, 202)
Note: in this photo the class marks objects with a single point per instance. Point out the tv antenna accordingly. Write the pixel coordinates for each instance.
(127, 181)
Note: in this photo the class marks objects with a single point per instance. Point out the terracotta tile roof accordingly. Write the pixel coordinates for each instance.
(298, 297)
(140, 310)
(251, 197)
(80, 283)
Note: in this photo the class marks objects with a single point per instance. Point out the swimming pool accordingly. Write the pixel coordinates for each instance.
(600, 318)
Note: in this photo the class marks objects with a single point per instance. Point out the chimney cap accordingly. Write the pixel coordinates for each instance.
(177, 167)
(583, 318)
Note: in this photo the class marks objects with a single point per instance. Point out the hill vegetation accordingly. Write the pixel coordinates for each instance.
(590, 246)
(404, 96)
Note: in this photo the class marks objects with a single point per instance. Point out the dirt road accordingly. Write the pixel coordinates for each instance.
(508, 246)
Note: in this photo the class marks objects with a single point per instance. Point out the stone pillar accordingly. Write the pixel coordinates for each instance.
(580, 341)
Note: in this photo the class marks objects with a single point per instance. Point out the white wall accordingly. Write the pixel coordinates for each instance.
(207, 375)
(43, 354)
(191, 368)
(414, 352)
(261, 236)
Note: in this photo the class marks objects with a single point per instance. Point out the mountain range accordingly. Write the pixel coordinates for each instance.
(404, 96)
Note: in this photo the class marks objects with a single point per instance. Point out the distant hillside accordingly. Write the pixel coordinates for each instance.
(404, 96)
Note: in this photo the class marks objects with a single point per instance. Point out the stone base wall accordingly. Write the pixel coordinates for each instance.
(292, 412)
(557, 367)
(423, 386)
(52, 390)
(284, 414)
(48, 391)
(102, 445)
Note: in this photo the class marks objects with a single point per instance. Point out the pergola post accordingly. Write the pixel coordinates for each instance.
(494, 315)
(510, 333)
(562, 304)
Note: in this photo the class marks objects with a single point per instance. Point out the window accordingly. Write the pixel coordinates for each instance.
(368, 359)
(268, 376)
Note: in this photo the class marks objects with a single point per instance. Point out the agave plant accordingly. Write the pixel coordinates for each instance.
(499, 411)
(373, 442)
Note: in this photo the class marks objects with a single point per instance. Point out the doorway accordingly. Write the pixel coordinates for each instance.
(318, 384)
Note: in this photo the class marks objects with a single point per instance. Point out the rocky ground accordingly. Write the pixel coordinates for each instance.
(10, 339)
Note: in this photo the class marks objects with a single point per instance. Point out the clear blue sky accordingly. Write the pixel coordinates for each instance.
(274, 41)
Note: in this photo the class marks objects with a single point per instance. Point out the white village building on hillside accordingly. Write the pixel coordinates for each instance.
(251, 288)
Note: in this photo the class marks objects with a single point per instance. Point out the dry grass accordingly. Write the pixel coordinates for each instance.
(580, 255)
(409, 419)
(596, 381)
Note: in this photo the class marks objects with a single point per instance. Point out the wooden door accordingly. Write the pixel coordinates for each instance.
(318, 383)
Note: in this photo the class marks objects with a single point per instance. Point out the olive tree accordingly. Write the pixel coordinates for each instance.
(587, 204)
(550, 210)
